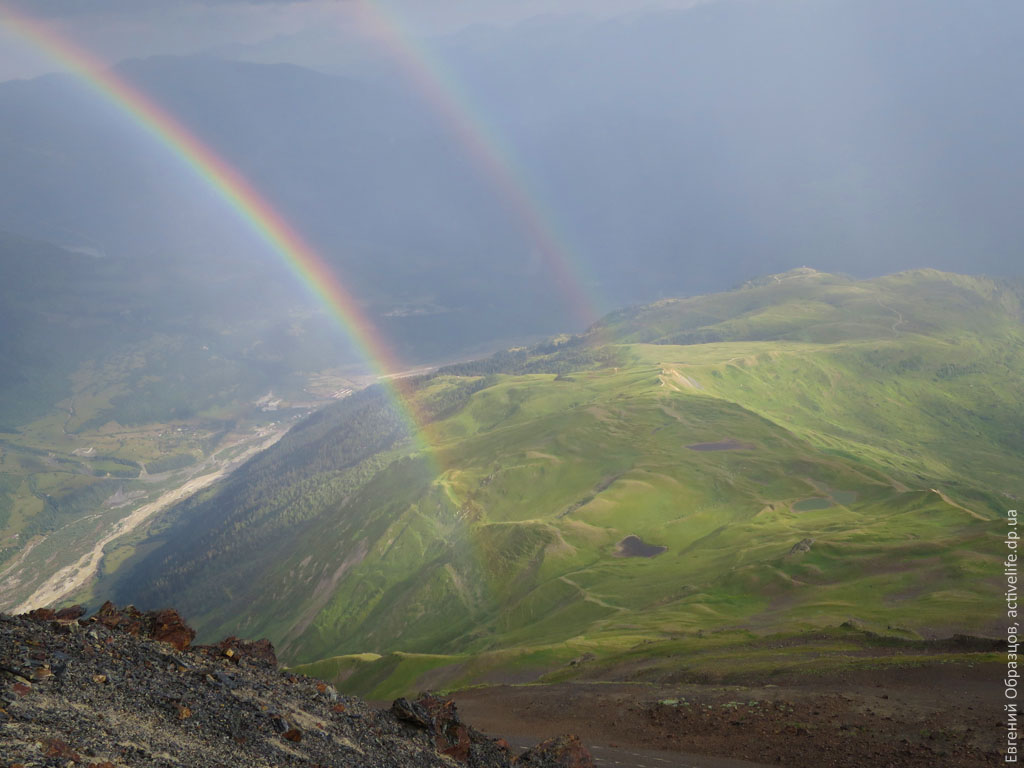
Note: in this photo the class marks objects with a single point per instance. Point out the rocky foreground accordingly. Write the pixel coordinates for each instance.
(124, 688)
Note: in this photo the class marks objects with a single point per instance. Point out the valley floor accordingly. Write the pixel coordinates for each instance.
(943, 714)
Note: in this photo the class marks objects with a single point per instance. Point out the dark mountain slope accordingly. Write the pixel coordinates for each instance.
(367, 174)
(123, 688)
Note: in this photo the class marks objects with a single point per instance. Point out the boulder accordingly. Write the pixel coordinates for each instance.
(169, 627)
(71, 613)
(559, 752)
(40, 615)
(236, 649)
(439, 717)
(804, 545)
(129, 619)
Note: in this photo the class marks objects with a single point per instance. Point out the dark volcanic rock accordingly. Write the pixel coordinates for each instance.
(166, 625)
(129, 620)
(408, 712)
(256, 650)
(169, 627)
(438, 716)
(561, 752)
(124, 689)
(42, 614)
(71, 613)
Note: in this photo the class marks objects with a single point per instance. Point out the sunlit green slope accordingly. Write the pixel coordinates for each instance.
(798, 453)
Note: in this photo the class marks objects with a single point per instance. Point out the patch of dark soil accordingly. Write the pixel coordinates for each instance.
(634, 546)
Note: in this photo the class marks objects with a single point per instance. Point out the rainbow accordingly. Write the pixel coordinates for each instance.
(492, 155)
(240, 196)
(437, 86)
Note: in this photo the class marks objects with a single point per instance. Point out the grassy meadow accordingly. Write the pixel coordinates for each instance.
(794, 456)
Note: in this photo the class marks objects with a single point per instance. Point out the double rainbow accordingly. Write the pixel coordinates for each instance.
(438, 88)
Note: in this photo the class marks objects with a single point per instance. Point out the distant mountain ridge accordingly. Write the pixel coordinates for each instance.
(669, 152)
(816, 306)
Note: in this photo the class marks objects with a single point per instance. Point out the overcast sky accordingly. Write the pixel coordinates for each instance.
(119, 29)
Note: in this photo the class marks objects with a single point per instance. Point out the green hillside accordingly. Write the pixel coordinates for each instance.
(801, 453)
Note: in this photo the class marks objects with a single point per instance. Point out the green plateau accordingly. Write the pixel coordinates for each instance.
(700, 486)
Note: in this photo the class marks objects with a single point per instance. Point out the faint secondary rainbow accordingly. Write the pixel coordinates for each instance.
(494, 158)
(248, 204)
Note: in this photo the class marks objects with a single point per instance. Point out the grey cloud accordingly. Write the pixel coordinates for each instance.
(58, 8)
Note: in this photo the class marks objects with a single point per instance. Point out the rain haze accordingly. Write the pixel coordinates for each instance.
(505, 348)
(484, 160)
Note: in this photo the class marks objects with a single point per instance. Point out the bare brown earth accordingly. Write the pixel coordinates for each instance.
(937, 715)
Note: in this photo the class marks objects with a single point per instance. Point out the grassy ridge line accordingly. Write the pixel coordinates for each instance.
(723, 657)
(888, 405)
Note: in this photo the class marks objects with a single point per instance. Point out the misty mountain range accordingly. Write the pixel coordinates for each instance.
(673, 153)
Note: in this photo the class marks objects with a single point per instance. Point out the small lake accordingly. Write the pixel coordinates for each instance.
(634, 546)
(808, 505)
(722, 445)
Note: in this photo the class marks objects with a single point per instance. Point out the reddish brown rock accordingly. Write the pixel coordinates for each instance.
(439, 716)
(559, 752)
(58, 748)
(169, 627)
(40, 615)
(166, 626)
(109, 615)
(71, 613)
(293, 734)
(129, 619)
(409, 712)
